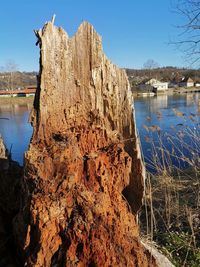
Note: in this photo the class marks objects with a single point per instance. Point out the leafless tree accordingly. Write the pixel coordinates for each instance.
(150, 64)
(189, 37)
(10, 68)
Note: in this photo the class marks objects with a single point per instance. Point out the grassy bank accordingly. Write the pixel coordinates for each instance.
(170, 215)
(16, 100)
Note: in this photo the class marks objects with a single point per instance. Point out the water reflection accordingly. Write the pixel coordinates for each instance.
(15, 129)
(165, 116)
(156, 103)
(171, 121)
(190, 99)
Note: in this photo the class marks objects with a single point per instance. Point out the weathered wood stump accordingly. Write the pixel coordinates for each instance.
(84, 178)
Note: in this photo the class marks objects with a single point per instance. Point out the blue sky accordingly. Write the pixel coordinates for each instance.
(133, 31)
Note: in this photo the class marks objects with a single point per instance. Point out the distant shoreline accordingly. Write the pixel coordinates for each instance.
(177, 91)
(16, 100)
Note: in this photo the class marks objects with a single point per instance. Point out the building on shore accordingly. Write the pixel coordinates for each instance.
(158, 86)
(27, 91)
(186, 82)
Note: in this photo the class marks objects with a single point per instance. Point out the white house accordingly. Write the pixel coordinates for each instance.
(157, 85)
(186, 82)
(161, 86)
(197, 84)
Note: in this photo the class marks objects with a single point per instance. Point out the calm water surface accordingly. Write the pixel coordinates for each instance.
(159, 112)
(171, 122)
(15, 129)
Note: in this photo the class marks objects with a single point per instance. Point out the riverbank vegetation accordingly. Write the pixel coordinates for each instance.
(170, 215)
(11, 79)
(137, 76)
(16, 100)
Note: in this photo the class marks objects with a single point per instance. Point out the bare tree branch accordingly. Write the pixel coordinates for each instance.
(189, 37)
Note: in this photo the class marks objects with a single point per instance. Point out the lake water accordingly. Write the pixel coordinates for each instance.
(168, 121)
(14, 127)
(169, 129)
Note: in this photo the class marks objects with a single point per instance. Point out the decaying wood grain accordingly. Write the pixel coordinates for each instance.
(84, 178)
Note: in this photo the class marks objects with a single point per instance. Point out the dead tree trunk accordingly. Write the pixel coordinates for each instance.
(83, 169)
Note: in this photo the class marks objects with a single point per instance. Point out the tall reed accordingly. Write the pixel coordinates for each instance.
(171, 214)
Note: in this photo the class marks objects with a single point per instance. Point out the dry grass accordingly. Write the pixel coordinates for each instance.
(171, 214)
(16, 100)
